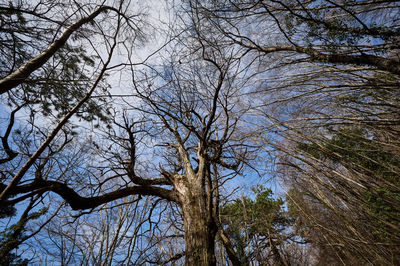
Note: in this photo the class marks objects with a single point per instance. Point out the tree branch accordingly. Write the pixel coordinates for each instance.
(380, 63)
(10, 153)
(18, 176)
(17, 77)
(78, 202)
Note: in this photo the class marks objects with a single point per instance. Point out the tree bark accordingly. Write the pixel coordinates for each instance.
(200, 230)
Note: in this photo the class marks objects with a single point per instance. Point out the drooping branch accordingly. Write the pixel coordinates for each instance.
(381, 63)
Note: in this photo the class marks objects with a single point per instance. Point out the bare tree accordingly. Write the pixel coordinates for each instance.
(112, 235)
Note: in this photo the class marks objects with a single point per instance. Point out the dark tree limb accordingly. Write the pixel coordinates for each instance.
(78, 202)
(228, 246)
(4, 140)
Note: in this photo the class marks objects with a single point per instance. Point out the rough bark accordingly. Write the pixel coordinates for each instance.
(199, 224)
(200, 232)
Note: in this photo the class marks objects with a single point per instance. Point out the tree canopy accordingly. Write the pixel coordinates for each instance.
(130, 134)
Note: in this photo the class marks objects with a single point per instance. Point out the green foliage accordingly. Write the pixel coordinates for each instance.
(13, 236)
(251, 221)
(337, 26)
(60, 83)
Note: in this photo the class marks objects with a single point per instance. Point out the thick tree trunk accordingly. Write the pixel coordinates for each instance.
(200, 232)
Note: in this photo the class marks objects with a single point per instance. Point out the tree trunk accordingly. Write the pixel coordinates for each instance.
(200, 232)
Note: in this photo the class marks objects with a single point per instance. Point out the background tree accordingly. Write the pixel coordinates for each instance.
(112, 235)
(261, 230)
(12, 237)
